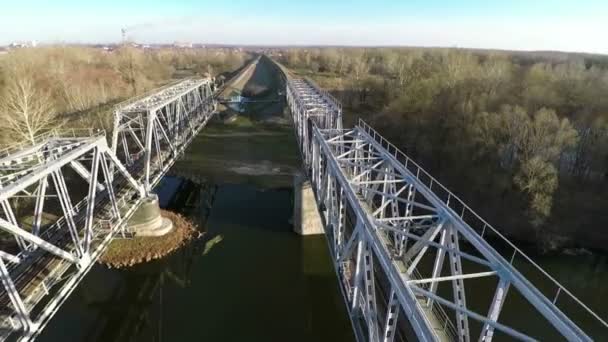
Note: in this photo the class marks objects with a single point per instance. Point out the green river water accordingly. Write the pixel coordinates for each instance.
(250, 278)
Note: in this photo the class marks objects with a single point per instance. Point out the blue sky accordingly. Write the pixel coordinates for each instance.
(524, 25)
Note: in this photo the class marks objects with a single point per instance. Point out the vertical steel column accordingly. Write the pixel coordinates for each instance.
(370, 293)
(109, 186)
(159, 155)
(10, 217)
(125, 147)
(315, 162)
(358, 267)
(68, 211)
(148, 151)
(408, 212)
(115, 130)
(392, 315)
(487, 332)
(341, 223)
(15, 298)
(462, 320)
(438, 265)
(88, 226)
(39, 207)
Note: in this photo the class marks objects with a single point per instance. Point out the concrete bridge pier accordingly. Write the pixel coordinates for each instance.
(147, 220)
(306, 218)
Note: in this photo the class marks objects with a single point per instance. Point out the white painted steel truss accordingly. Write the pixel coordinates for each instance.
(307, 102)
(158, 127)
(64, 198)
(404, 247)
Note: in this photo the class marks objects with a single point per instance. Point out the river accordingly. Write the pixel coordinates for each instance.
(251, 278)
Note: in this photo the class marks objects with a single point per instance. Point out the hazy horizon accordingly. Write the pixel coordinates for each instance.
(544, 25)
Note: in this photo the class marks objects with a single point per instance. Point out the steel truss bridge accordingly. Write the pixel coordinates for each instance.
(401, 242)
(87, 190)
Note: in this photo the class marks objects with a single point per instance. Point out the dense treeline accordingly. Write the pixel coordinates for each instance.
(67, 86)
(524, 137)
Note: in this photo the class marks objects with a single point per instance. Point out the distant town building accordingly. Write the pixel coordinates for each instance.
(27, 44)
(108, 49)
(182, 45)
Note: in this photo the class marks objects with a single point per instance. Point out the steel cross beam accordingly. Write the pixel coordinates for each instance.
(390, 226)
(91, 190)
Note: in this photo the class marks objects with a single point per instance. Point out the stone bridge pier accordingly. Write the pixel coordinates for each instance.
(306, 218)
(147, 219)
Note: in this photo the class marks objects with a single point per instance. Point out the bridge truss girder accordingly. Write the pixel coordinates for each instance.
(68, 247)
(155, 129)
(47, 261)
(397, 245)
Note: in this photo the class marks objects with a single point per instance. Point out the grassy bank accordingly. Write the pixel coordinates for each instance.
(128, 252)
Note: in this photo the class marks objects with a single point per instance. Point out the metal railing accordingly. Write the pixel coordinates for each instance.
(547, 285)
(55, 133)
(146, 94)
(326, 94)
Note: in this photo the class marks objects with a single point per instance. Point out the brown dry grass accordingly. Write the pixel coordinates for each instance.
(128, 252)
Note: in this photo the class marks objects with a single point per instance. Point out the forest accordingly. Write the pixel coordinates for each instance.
(73, 87)
(521, 137)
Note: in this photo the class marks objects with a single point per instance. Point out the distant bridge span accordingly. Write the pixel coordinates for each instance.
(395, 234)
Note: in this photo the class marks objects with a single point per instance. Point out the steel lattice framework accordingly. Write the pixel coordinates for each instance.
(91, 190)
(158, 127)
(396, 235)
(394, 232)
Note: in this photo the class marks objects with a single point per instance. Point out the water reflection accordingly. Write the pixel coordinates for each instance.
(250, 278)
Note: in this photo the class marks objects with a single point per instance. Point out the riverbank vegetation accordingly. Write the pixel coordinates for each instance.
(523, 137)
(75, 87)
(129, 252)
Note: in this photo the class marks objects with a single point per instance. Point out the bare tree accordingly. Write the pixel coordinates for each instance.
(26, 109)
(130, 64)
(359, 65)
